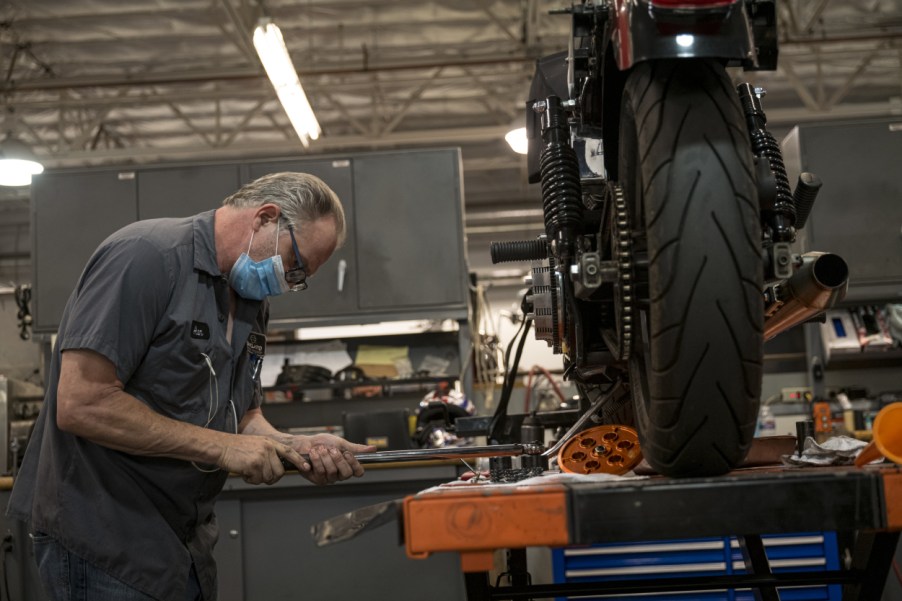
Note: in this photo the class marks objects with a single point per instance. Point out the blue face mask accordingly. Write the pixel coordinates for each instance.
(255, 280)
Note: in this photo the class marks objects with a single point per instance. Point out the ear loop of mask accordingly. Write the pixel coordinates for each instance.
(213, 390)
(251, 243)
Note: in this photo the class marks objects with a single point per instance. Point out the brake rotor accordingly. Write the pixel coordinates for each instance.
(608, 449)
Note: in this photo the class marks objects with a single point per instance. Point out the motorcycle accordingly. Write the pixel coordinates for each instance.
(667, 257)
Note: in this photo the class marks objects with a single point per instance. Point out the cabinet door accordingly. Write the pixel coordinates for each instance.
(184, 191)
(858, 214)
(71, 214)
(411, 246)
(333, 290)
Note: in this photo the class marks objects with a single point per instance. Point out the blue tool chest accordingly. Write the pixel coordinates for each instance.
(816, 551)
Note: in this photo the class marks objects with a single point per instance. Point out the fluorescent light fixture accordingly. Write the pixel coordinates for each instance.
(516, 138)
(17, 163)
(412, 326)
(280, 70)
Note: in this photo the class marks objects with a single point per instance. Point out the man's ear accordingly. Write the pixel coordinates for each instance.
(265, 214)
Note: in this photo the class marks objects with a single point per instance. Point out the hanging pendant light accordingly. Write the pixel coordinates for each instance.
(17, 162)
(516, 139)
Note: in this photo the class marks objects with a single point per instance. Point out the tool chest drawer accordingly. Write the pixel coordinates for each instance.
(700, 558)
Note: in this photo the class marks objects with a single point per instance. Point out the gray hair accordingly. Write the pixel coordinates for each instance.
(303, 198)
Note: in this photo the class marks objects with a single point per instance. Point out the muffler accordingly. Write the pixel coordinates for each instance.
(820, 283)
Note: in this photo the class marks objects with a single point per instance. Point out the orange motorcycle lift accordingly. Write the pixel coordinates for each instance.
(478, 520)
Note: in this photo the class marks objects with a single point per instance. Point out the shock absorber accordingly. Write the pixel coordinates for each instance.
(561, 190)
(780, 214)
(561, 194)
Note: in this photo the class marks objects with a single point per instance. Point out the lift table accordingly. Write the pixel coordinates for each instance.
(477, 520)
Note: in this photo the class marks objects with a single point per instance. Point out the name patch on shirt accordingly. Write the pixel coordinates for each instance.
(200, 330)
(256, 344)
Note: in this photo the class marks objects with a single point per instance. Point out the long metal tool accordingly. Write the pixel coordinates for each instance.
(499, 450)
(592, 410)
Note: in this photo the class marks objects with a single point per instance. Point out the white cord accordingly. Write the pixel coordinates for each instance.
(234, 414)
(212, 384)
(213, 390)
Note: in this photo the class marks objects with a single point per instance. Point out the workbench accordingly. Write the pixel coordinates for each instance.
(478, 520)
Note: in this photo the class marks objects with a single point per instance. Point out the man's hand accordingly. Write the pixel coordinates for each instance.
(257, 459)
(331, 458)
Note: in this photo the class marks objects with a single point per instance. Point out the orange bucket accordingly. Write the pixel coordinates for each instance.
(887, 441)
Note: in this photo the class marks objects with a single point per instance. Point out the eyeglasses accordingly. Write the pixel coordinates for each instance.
(297, 277)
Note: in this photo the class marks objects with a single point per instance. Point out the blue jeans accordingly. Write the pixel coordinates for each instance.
(68, 577)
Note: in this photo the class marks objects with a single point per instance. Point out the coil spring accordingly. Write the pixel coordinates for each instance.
(526, 250)
(561, 191)
(765, 145)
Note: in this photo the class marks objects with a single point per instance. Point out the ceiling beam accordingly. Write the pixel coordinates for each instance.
(242, 26)
(323, 145)
(776, 118)
(212, 75)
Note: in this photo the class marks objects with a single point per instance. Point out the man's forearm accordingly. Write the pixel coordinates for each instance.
(122, 422)
(254, 423)
(92, 404)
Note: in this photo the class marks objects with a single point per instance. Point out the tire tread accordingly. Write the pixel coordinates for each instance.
(705, 319)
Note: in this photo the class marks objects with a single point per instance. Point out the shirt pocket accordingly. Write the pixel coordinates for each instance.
(187, 380)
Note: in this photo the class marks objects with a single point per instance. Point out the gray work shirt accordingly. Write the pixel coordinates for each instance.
(153, 301)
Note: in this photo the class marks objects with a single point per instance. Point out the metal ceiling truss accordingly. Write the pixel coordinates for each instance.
(378, 74)
(148, 80)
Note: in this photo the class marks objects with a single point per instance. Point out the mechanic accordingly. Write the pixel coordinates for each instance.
(153, 395)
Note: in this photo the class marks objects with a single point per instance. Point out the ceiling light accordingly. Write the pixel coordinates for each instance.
(516, 138)
(280, 70)
(17, 163)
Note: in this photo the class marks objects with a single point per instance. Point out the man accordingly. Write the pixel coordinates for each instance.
(153, 395)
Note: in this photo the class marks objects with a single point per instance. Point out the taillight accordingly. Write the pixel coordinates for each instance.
(690, 4)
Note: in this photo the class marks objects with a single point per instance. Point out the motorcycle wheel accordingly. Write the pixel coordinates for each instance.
(687, 171)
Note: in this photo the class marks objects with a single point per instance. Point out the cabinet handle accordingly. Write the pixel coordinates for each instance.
(342, 270)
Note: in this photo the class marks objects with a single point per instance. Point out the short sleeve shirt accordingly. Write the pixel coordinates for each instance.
(153, 301)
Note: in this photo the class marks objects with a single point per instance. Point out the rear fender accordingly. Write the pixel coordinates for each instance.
(643, 32)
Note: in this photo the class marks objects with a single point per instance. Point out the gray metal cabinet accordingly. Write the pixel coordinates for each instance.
(20, 572)
(266, 552)
(858, 214)
(333, 290)
(410, 240)
(404, 257)
(71, 214)
(184, 191)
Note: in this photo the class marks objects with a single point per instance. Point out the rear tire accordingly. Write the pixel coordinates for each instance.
(687, 172)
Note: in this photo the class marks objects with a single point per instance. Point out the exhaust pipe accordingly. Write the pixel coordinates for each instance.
(816, 286)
